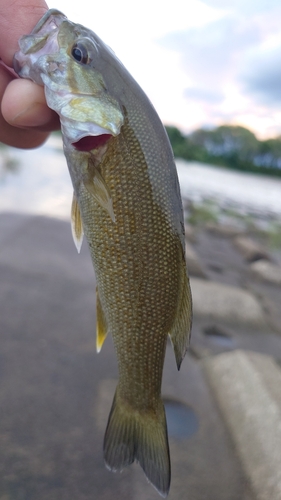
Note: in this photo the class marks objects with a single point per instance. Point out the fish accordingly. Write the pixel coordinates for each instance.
(127, 202)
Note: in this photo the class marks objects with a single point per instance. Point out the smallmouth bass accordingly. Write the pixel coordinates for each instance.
(127, 202)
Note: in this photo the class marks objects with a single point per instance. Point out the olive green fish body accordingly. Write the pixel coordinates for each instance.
(127, 197)
(139, 263)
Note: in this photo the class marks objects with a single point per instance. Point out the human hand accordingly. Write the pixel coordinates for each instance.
(25, 119)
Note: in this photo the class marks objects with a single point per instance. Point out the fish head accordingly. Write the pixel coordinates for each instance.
(65, 57)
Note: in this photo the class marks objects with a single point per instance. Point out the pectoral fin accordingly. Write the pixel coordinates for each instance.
(101, 324)
(97, 187)
(76, 224)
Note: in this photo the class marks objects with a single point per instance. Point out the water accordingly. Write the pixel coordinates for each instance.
(41, 184)
(243, 191)
(218, 336)
(182, 421)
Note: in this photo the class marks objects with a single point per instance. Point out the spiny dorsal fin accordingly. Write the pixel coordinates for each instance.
(76, 224)
(101, 323)
(96, 186)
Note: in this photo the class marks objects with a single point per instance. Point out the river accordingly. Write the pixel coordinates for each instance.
(39, 183)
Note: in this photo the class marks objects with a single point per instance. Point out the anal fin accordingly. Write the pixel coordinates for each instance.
(101, 327)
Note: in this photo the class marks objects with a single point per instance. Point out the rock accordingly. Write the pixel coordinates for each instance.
(190, 232)
(193, 265)
(266, 271)
(250, 249)
(247, 388)
(217, 301)
(199, 352)
(228, 230)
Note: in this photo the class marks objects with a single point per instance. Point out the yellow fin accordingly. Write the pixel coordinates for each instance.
(97, 187)
(180, 332)
(101, 324)
(76, 224)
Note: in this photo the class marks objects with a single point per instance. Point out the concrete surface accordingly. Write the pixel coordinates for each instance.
(55, 391)
(266, 271)
(250, 249)
(223, 407)
(247, 387)
(225, 303)
(193, 263)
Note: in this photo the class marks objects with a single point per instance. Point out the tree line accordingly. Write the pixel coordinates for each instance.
(229, 146)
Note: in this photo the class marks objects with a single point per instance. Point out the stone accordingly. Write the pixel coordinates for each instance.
(247, 388)
(221, 302)
(190, 232)
(193, 264)
(250, 249)
(266, 271)
(227, 230)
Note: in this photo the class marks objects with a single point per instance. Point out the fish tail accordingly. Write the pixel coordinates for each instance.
(141, 436)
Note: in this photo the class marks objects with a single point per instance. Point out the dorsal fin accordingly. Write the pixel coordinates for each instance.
(180, 332)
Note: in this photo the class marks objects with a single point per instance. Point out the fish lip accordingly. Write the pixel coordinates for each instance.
(91, 142)
(72, 135)
(28, 60)
(53, 18)
(16, 65)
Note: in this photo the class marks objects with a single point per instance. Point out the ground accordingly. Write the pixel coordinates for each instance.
(56, 391)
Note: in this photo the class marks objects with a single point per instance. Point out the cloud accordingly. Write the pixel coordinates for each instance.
(209, 52)
(204, 95)
(229, 53)
(261, 76)
(245, 7)
(232, 65)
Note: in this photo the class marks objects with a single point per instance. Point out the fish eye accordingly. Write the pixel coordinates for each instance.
(79, 52)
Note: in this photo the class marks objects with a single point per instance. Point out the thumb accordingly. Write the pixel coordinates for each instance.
(24, 105)
(17, 18)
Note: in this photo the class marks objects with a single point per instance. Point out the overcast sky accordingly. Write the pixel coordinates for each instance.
(202, 63)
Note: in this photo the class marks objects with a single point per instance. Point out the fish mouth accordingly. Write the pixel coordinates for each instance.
(89, 142)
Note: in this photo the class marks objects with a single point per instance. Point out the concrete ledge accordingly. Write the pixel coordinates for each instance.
(250, 250)
(227, 230)
(247, 387)
(193, 264)
(225, 303)
(266, 271)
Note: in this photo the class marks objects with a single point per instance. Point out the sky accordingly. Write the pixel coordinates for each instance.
(202, 63)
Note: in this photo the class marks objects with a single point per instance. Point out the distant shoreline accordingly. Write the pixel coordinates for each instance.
(248, 193)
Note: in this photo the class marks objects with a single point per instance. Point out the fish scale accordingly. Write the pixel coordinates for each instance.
(150, 305)
(127, 202)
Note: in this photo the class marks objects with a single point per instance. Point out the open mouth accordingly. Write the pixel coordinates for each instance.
(91, 142)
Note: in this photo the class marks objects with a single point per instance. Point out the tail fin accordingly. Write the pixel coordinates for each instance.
(134, 435)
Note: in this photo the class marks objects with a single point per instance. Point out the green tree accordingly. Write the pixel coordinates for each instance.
(229, 146)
